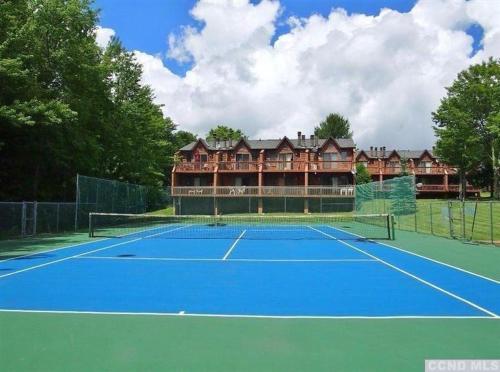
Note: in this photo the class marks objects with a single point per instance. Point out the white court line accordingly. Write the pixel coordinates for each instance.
(252, 316)
(234, 245)
(411, 275)
(76, 245)
(84, 253)
(220, 259)
(418, 255)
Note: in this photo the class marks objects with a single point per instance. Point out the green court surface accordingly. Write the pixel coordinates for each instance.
(49, 342)
(84, 342)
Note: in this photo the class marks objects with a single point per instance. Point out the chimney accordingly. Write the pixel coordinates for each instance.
(299, 136)
(383, 151)
(230, 142)
(376, 151)
(371, 150)
(312, 140)
(303, 143)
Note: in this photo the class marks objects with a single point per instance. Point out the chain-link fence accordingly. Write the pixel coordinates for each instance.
(22, 219)
(209, 205)
(471, 220)
(110, 196)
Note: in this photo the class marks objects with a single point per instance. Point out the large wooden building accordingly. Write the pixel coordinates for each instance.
(433, 177)
(300, 167)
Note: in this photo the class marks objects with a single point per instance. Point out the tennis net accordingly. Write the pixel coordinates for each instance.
(306, 227)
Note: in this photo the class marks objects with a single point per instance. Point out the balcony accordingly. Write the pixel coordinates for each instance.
(195, 167)
(283, 166)
(429, 170)
(264, 191)
(330, 166)
(238, 166)
(443, 188)
(374, 169)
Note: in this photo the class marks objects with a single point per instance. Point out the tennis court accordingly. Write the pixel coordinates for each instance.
(321, 267)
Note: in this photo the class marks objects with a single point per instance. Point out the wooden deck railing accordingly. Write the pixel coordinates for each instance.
(267, 166)
(266, 191)
(280, 165)
(238, 166)
(443, 188)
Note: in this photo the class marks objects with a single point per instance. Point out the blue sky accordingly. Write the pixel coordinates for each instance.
(356, 66)
(145, 25)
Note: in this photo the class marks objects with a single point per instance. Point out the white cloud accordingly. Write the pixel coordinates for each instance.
(386, 73)
(103, 35)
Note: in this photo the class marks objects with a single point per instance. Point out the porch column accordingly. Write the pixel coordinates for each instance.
(445, 180)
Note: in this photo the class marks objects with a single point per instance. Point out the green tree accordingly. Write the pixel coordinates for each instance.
(224, 132)
(404, 167)
(335, 125)
(49, 78)
(362, 175)
(467, 124)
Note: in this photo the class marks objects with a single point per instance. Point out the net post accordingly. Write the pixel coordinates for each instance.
(91, 227)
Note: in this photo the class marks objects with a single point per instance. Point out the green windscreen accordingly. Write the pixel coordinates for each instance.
(394, 196)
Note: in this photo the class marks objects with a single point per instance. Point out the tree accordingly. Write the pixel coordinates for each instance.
(404, 167)
(335, 125)
(467, 124)
(223, 132)
(362, 175)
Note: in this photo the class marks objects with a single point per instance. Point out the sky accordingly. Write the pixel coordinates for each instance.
(272, 68)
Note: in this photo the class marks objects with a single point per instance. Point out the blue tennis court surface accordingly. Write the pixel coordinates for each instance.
(328, 273)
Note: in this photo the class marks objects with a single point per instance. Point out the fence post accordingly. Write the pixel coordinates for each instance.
(57, 217)
(491, 223)
(463, 220)
(450, 219)
(23, 220)
(35, 216)
(77, 200)
(430, 211)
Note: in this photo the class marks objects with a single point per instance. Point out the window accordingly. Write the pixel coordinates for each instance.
(242, 161)
(343, 155)
(285, 161)
(328, 160)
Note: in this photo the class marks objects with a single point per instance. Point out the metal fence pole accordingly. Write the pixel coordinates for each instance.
(491, 223)
(430, 219)
(57, 217)
(23, 220)
(77, 200)
(35, 216)
(450, 219)
(463, 220)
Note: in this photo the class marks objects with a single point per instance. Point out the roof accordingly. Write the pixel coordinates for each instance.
(407, 154)
(269, 144)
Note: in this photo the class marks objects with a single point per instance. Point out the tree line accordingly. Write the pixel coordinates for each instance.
(68, 106)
